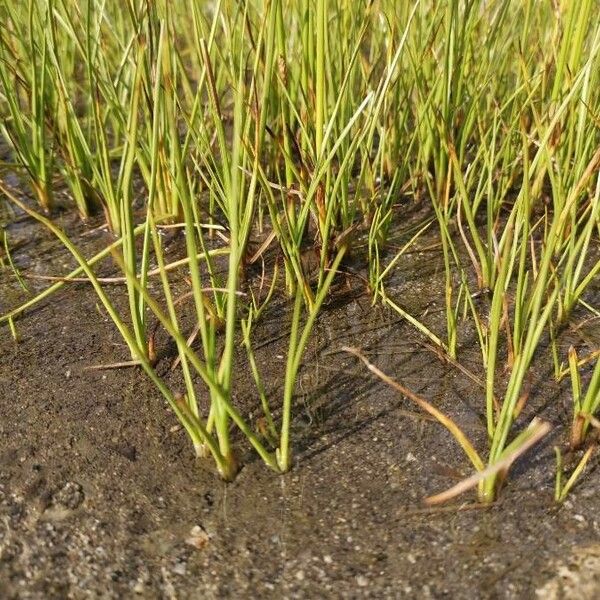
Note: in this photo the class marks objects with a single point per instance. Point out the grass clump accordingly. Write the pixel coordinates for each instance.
(308, 125)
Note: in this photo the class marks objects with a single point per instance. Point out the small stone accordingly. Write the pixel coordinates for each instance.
(362, 581)
(300, 575)
(198, 537)
(327, 559)
(138, 588)
(410, 457)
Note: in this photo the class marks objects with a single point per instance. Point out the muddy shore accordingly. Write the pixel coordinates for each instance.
(101, 497)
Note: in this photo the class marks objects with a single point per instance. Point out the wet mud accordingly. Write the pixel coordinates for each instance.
(101, 496)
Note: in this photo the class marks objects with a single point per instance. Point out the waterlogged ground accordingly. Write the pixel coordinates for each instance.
(100, 496)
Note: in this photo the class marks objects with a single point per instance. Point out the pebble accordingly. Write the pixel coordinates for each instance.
(198, 537)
